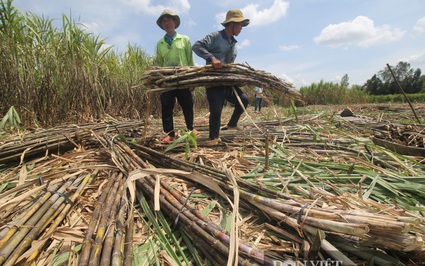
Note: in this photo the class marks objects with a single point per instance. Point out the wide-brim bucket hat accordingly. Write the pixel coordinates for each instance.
(235, 15)
(168, 12)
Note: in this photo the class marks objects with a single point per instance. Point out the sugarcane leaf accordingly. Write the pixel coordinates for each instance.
(371, 187)
(226, 221)
(65, 256)
(145, 253)
(16, 117)
(191, 247)
(181, 139)
(187, 150)
(193, 139)
(317, 243)
(120, 137)
(173, 237)
(211, 205)
(159, 232)
(294, 110)
(193, 176)
(3, 186)
(4, 121)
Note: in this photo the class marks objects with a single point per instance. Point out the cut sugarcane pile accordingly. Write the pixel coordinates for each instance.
(408, 135)
(81, 209)
(170, 78)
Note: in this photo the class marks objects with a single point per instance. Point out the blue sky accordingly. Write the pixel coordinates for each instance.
(301, 41)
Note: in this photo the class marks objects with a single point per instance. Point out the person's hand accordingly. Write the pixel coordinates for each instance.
(216, 63)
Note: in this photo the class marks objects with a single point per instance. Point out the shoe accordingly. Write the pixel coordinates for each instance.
(197, 133)
(168, 139)
(227, 127)
(212, 142)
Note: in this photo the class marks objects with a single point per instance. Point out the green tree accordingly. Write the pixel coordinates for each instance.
(374, 86)
(384, 83)
(344, 81)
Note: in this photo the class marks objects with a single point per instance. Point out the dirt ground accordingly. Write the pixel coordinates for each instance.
(364, 115)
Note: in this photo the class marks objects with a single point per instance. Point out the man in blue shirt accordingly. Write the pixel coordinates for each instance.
(218, 48)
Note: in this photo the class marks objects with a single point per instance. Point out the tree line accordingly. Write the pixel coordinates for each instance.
(381, 87)
(52, 76)
(384, 83)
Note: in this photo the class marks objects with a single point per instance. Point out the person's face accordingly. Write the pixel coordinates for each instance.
(237, 28)
(168, 23)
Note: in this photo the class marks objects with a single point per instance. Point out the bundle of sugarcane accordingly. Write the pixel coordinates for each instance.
(23, 236)
(35, 210)
(171, 78)
(108, 238)
(352, 222)
(211, 236)
(58, 139)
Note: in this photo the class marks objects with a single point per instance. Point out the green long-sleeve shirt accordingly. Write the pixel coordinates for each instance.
(178, 54)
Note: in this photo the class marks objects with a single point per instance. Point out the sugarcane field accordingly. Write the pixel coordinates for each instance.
(309, 189)
(115, 155)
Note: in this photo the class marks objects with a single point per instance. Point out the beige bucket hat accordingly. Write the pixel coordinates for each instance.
(168, 12)
(235, 15)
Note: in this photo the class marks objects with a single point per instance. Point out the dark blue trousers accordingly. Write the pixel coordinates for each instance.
(216, 97)
(168, 99)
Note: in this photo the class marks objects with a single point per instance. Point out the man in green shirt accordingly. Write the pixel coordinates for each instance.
(174, 49)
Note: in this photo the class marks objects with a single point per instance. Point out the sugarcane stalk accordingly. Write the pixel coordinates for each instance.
(14, 241)
(215, 258)
(191, 226)
(336, 254)
(214, 230)
(14, 225)
(108, 242)
(216, 174)
(57, 138)
(87, 180)
(118, 250)
(229, 75)
(30, 237)
(128, 241)
(87, 242)
(103, 223)
(389, 224)
(48, 216)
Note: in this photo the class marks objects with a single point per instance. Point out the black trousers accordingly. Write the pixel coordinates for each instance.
(168, 99)
(216, 97)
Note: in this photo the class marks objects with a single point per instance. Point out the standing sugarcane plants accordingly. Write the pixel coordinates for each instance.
(12, 119)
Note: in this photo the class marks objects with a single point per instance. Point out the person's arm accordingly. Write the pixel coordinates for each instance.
(201, 47)
(189, 53)
(158, 61)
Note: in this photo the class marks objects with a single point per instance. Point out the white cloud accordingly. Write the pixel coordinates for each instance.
(145, 6)
(244, 44)
(361, 32)
(92, 27)
(420, 26)
(287, 48)
(416, 59)
(261, 17)
(266, 16)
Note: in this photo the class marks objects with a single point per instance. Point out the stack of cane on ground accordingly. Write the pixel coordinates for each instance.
(90, 196)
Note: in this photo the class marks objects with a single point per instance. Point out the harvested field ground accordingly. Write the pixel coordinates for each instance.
(311, 186)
